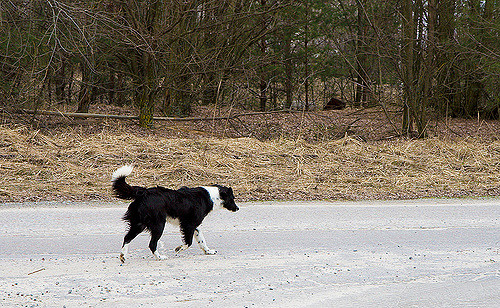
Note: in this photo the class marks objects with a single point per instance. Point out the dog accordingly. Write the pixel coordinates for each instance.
(152, 207)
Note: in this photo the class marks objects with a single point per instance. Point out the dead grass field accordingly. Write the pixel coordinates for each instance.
(344, 155)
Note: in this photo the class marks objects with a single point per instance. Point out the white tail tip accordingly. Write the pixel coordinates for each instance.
(122, 171)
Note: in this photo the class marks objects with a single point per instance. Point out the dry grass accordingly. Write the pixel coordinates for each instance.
(76, 164)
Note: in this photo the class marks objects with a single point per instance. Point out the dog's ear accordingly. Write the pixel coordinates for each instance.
(223, 191)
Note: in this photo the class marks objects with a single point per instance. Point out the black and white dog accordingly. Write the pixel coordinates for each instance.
(153, 207)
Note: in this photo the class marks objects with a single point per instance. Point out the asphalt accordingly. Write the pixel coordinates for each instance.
(421, 253)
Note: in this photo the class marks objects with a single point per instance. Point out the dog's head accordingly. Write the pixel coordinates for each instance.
(227, 197)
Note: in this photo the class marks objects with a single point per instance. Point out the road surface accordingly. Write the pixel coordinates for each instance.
(425, 253)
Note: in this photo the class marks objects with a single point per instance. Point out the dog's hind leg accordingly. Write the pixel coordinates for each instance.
(134, 230)
(156, 233)
(198, 236)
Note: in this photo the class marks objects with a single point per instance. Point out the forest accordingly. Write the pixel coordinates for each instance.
(166, 57)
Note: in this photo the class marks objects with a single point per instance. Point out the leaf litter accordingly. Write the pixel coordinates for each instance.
(74, 161)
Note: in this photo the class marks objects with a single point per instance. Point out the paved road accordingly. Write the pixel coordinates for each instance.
(426, 253)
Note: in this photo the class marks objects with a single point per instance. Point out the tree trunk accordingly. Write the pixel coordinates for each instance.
(85, 95)
(361, 94)
(59, 80)
(146, 88)
(263, 91)
(288, 69)
(144, 100)
(262, 73)
(209, 96)
(414, 108)
(429, 71)
(407, 64)
(445, 29)
(306, 64)
(179, 97)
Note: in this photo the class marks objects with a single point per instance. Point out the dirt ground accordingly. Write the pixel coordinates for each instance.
(419, 253)
(351, 154)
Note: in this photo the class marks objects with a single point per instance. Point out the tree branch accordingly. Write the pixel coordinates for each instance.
(130, 117)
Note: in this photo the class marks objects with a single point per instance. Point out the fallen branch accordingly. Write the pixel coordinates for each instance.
(128, 117)
(37, 271)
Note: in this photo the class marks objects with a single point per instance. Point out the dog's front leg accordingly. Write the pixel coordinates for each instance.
(202, 243)
(124, 253)
(187, 234)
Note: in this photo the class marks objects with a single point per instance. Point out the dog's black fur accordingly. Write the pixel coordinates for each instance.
(152, 207)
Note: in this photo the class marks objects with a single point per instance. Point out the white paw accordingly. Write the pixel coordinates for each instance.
(159, 256)
(210, 252)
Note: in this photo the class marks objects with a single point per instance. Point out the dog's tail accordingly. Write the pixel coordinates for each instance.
(121, 189)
